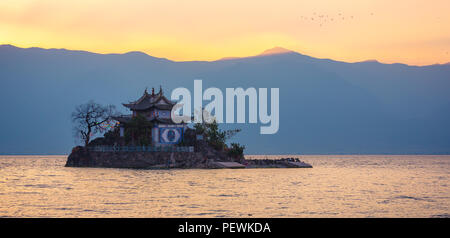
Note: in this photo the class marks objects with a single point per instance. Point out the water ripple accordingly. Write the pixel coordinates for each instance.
(337, 186)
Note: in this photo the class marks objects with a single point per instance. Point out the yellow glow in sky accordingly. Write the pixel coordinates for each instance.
(414, 32)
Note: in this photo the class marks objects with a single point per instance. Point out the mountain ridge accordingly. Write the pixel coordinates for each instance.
(326, 106)
(269, 52)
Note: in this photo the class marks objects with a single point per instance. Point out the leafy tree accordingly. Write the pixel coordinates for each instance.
(88, 119)
(138, 130)
(236, 150)
(213, 135)
(199, 128)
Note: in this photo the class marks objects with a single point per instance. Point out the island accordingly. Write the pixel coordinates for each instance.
(148, 138)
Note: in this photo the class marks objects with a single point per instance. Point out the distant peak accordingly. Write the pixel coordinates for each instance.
(136, 53)
(369, 61)
(269, 52)
(275, 51)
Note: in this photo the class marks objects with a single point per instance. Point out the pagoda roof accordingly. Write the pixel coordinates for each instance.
(147, 101)
(124, 119)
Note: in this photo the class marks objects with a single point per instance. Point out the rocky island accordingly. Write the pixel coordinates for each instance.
(149, 139)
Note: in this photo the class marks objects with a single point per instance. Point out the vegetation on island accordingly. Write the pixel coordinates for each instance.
(90, 119)
(217, 138)
(138, 131)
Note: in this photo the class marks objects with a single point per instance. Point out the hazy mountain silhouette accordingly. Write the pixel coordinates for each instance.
(276, 51)
(269, 52)
(326, 106)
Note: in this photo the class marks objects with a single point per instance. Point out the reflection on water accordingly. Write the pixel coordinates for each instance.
(337, 186)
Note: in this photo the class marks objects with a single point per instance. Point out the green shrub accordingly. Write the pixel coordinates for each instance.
(236, 150)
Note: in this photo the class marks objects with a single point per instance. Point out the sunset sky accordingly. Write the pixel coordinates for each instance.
(415, 32)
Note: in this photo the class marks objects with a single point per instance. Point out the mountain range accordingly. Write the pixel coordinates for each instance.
(326, 106)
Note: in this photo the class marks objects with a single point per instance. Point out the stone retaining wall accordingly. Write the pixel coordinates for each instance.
(81, 157)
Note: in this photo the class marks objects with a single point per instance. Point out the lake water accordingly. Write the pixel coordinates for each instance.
(337, 186)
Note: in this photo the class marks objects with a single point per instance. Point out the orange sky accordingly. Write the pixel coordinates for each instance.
(415, 32)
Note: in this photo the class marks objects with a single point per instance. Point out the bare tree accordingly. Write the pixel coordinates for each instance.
(89, 118)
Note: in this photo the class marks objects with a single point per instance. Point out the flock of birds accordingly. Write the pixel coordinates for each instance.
(322, 19)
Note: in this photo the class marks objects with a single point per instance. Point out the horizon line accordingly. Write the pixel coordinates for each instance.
(226, 58)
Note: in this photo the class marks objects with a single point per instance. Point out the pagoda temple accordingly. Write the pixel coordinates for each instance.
(155, 108)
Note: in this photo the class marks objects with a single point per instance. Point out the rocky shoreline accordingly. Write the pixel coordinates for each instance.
(277, 163)
(204, 159)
